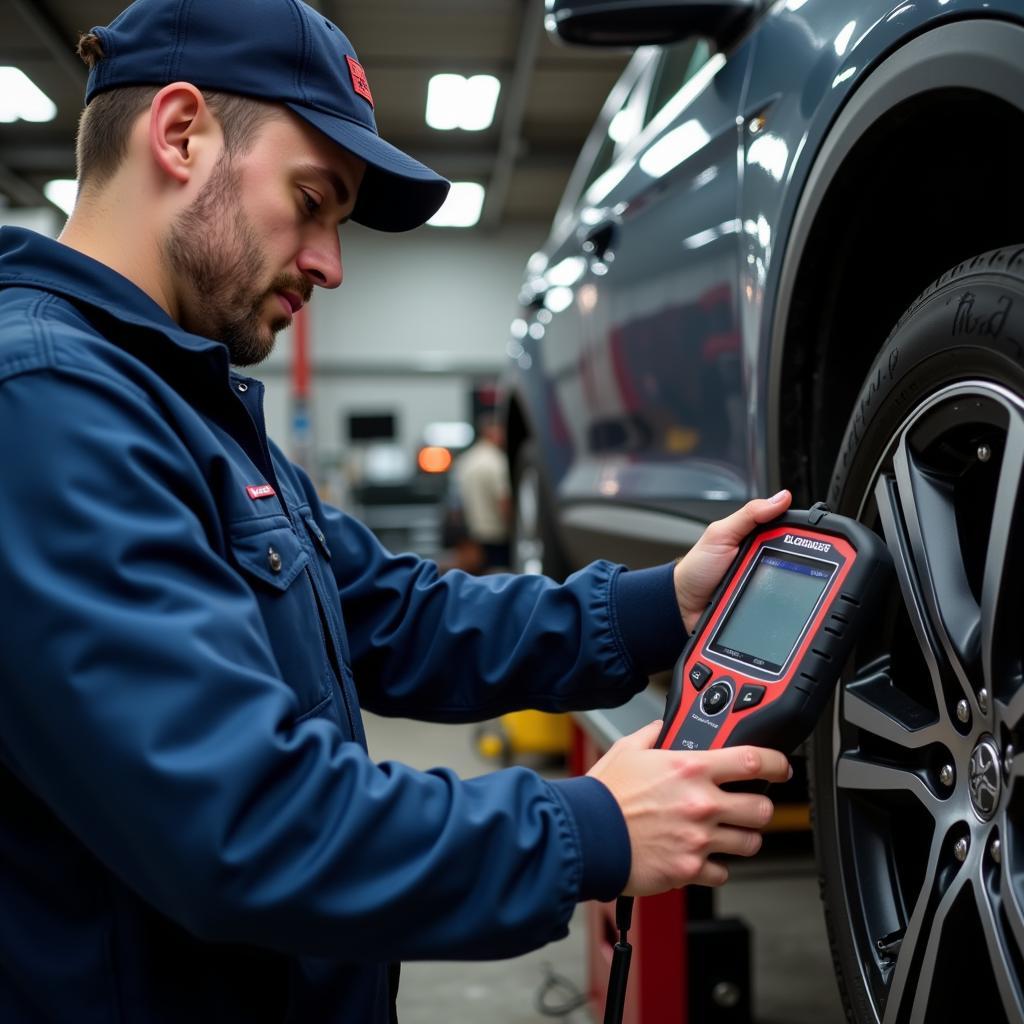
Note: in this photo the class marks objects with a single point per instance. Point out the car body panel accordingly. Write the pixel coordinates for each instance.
(645, 371)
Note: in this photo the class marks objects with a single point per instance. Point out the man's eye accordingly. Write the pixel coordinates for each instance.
(312, 206)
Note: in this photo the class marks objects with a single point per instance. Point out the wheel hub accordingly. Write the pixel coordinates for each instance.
(985, 778)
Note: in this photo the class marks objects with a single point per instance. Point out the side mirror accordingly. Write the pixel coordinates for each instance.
(644, 22)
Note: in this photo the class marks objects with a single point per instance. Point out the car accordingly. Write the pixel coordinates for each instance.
(791, 254)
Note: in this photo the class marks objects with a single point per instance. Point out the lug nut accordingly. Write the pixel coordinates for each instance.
(983, 701)
(963, 711)
(996, 850)
(960, 848)
(947, 775)
(984, 453)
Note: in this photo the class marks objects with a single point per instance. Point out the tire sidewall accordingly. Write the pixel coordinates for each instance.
(968, 326)
(966, 329)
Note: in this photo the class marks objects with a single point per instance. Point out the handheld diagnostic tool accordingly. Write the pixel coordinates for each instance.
(763, 660)
(765, 656)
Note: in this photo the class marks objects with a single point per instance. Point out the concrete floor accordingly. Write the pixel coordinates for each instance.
(776, 894)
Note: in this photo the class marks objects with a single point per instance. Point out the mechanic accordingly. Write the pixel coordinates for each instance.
(192, 828)
(481, 476)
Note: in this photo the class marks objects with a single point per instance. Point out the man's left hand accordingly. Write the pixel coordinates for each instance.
(698, 573)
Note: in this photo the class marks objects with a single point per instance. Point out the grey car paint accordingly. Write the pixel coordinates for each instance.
(648, 361)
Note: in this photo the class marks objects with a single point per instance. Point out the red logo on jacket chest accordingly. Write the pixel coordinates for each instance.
(256, 491)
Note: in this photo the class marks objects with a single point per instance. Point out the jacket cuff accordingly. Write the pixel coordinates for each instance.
(649, 619)
(604, 839)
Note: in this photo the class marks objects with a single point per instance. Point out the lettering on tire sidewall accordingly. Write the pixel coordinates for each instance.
(972, 315)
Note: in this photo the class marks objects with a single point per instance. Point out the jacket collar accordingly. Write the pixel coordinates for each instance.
(31, 260)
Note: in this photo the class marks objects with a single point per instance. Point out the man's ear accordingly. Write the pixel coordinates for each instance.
(181, 126)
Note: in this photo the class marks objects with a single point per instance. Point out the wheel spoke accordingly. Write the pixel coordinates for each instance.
(854, 773)
(1008, 887)
(1007, 982)
(871, 703)
(888, 502)
(1001, 591)
(926, 973)
(930, 517)
(919, 930)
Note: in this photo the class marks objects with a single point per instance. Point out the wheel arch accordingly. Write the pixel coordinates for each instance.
(872, 229)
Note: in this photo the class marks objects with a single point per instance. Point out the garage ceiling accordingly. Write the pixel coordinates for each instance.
(550, 94)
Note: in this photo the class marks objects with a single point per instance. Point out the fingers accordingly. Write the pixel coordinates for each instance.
(642, 739)
(743, 764)
(734, 528)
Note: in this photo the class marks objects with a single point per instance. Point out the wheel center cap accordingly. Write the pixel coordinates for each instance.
(985, 778)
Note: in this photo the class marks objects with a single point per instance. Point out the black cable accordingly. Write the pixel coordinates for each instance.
(573, 999)
(621, 956)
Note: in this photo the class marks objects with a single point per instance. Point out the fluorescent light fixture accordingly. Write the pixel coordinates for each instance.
(21, 99)
(457, 102)
(462, 207)
(62, 192)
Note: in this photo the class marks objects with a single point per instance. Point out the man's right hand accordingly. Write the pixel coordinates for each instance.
(677, 814)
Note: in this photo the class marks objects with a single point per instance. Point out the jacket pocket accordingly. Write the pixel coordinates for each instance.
(271, 554)
(275, 564)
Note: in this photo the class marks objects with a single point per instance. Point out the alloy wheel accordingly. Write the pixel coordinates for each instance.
(927, 791)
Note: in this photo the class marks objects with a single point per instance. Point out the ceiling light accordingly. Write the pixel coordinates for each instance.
(457, 102)
(21, 99)
(62, 192)
(462, 207)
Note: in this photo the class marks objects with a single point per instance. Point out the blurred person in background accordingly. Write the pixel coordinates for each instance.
(485, 495)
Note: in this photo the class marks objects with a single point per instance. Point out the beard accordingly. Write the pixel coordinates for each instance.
(213, 250)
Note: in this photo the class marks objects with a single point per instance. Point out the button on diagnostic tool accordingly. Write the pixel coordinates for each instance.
(716, 700)
(750, 696)
(699, 675)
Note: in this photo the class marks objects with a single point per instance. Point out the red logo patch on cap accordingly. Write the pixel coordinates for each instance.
(359, 82)
(256, 491)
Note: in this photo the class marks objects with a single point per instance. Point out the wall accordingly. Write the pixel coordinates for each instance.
(418, 319)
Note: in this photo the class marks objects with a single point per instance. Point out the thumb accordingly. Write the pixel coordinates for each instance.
(733, 529)
(642, 739)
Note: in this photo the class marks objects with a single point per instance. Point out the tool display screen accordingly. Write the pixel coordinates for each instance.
(775, 603)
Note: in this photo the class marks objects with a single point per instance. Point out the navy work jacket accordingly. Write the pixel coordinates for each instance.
(191, 828)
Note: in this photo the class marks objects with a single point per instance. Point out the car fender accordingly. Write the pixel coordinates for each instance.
(981, 54)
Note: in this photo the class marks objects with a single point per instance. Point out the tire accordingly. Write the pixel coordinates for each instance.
(535, 545)
(918, 804)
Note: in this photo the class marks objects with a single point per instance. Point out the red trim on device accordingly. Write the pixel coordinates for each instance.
(775, 688)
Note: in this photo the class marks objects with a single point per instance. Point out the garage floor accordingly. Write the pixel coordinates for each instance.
(776, 894)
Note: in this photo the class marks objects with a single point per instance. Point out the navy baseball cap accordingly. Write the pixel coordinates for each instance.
(281, 51)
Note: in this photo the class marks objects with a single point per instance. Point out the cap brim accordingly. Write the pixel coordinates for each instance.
(398, 193)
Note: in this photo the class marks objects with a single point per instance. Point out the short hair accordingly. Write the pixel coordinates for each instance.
(105, 125)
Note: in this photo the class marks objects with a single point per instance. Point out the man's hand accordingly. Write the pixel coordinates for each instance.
(677, 814)
(700, 571)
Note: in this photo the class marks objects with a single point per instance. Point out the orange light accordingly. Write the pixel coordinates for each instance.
(433, 459)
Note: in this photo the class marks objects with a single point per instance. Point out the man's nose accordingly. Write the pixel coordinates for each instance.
(321, 263)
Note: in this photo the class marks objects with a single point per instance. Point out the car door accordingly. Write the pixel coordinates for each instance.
(660, 368)
(549, 341)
